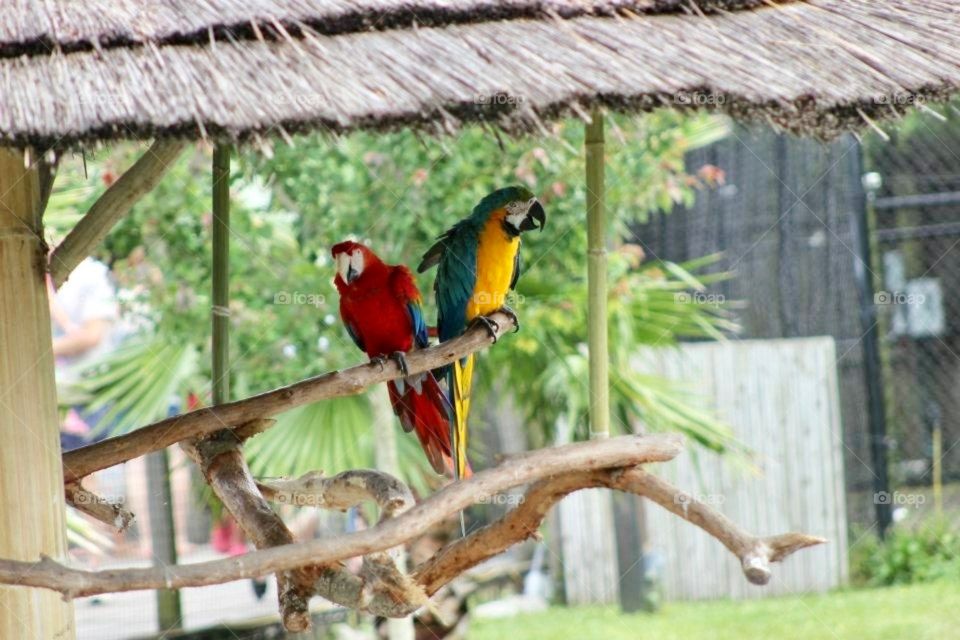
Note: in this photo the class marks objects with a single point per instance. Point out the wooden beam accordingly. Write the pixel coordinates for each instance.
(115, 203)
(31, 480)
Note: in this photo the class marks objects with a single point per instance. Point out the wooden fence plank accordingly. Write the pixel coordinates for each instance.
(781, 397)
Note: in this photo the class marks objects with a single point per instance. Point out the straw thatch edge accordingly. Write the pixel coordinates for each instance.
(282, 26)
(802, 117)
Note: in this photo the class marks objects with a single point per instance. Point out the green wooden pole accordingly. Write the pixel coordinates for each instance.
(597, 280)
(221, 273)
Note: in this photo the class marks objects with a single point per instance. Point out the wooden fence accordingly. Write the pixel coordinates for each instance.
(781, 399)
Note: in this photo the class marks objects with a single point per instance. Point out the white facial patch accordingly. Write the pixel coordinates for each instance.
(343, 265)
(517, 211)
(356, 261)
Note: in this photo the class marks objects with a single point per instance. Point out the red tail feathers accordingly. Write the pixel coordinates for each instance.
(422, 406)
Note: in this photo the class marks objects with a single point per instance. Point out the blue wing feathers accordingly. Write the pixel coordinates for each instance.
(419, 325)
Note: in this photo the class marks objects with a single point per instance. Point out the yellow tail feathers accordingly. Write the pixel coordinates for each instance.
(462, 381)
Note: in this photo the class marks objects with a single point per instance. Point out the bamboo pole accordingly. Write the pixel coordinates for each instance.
(221, 274)
(31, 477)
(597, 280)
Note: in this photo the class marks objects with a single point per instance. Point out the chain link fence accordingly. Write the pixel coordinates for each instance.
(913, 187)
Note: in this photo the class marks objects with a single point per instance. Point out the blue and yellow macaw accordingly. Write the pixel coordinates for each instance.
(478, 263)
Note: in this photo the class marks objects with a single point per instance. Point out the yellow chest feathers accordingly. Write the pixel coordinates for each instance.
(495, 256)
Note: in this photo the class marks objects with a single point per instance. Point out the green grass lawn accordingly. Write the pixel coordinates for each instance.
(921, 612)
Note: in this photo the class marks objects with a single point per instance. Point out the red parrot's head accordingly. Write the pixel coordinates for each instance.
(351, 259)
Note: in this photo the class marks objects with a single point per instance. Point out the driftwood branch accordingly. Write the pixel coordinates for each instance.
(115, 202)
(380, 588)
(755, 553)
(625, 451)
(342, 491)
(99, 508)
(83, 461)
(381, 585)
(221, 461)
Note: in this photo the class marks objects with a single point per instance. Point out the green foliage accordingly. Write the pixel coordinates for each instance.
(926, 553)
(138, 382)
(397, 192)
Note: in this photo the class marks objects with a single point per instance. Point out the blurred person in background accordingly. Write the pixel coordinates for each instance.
(84, 312)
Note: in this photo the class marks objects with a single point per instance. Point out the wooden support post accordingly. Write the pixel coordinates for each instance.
(597, 280)
(31, 478)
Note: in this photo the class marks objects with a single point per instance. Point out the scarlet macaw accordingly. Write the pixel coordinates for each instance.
(381, 308)
(478, 263)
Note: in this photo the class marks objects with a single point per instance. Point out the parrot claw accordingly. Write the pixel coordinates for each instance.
(490, 325)
(401, 359)
(378, 360)
(513, 316)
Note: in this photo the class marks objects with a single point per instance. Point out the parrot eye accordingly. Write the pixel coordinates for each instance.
(518, 207)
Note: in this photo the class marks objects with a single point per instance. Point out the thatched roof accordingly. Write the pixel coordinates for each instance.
(78, 72)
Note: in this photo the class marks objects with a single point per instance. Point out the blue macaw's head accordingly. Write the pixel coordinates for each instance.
(523, 210)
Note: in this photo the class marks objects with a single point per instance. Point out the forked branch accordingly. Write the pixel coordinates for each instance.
(625, 451)
(383, 590)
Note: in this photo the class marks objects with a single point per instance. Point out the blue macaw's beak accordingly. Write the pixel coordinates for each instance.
(534, 215)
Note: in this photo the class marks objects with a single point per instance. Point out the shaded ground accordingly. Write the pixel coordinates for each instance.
(119, 616)
(921, 612)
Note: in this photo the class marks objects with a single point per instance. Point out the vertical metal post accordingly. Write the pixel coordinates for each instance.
(872, 367)
(597, 280)
(221, 274)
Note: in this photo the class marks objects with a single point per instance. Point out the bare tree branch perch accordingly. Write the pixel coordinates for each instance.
(101, 509)
(342, 491)
(625, 451)
(159, 435)
(755, 553)
(220, 458)
(115, 202)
